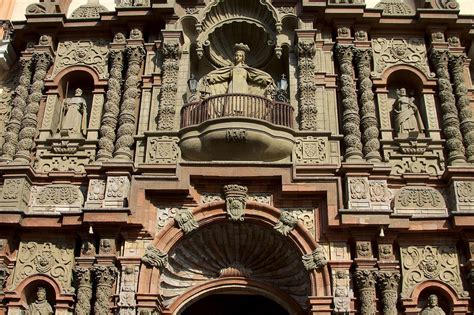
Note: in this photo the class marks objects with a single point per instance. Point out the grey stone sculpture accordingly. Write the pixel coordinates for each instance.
(74, 121)
(41, 305)
(433, 308)
(407, 115)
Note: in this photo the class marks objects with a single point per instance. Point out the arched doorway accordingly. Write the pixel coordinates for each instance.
(235, 304)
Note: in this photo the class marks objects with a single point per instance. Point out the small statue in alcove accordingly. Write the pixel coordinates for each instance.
(407, 115)
(433, 308)
(41, 305)
(75, 115)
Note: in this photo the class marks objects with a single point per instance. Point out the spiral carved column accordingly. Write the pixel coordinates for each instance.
(450, 120)
(111, 107)
(84, 291)
(370, 136)
(350, 115)
(388, 284)
(365, 281)
(29, 123)
(135, 55)
(104, 277)
(456, 65)
(18, 107)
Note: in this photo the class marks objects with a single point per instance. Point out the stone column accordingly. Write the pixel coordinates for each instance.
(84, 290)
(350, 115)
(450, 120)
(388, 284)
(456, 66)
(104, 277)
(370, 136)
(29, 122)
(111, 107)
(18, 107)
(127, 119)
(307, 85)
(365, 281)
(167, 111)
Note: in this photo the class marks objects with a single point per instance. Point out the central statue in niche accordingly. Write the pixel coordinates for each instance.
(239, 78)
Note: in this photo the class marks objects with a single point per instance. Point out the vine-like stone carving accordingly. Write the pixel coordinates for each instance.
(421, 263)
(235, 201)
(186, 221)
(370, 135)
(167, 111)
(29, 122)
(111, 107)
(350, 115)
(18, 107)
(155, 258)
(419, 200)
(307, 85)
(88, 53)
(305, 216)
(388, 283)
(54, 260)
(104, 277)
(450, 120)
(456, 65)
(365, 281)
(135, 55)
(286, 223)
(317, 259)
(57, 196)
(84, 290)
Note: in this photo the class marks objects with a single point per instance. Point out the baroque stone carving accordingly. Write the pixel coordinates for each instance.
(394, 7)
(90, 10)
(96, 192)
(162, 150)
(421, 263)
(167, 112)
(135, 55)
(64, 155)
(132, 3)
(104, 277)
(386, 252)
(235, 200)
(364, 249)
(307, 85)
(341, 290)
(446, 4)
(464, 193)
(432, 308)
(388, 283)
(185, 220)
(365, 281)
(315, 260)
(350, 115)
(128, 288)
(4, 273)
(41, 305)
(407, 114)
(111, 106)
(84, 290)
(155, 258)
(394, 51)
(164, 214)
(15, 194)
(116, 192)
(57, 197)
(311, 150)
(450, 120)
(53, 259)
(419, 201)
(286, 223)
(74, 121)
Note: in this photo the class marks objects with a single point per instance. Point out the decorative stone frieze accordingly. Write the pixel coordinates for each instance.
(315, 260)
(185, 220)
(463, 192)
(127, 119)
(457, 66)
(167, 111)
(96, 193)
(19, 102)
(394, 7)
(58, 155)
(350, 115)
(311, 150)
(116, 192)
(155, 258)
(341, 290)
(419, 201)
(111, 106)
(390, 51)
(388, 283)
(83, 279)
(303, 215)
(450, 121)
(57, 197)
(54, 259)
(89, 53)
(15, 194)
(365, 281)
(8, 83)
(235, 200)
(162, 150)
(421, 263)
(29, 122)
(128, 287)
(369, 124)
(307, 85)
(412, 157)
(286, 223)
(104, 278)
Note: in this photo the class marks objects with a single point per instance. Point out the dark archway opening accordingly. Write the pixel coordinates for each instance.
(233, 304)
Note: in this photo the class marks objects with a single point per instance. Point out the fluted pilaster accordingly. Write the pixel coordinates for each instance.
(370, 129)
(350, 115)
(167, 111)
(84, 291)
(388, 283)
(127, 119)
(450, 120)
(104, 277)
(13, 126)
(365, 281)
(456, 66)
(307, 85)
(112, 106)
